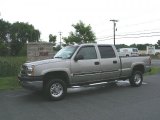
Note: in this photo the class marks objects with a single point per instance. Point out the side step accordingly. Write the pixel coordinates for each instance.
(95, 84)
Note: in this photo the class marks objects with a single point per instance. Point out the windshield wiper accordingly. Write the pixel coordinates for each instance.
(58, 57)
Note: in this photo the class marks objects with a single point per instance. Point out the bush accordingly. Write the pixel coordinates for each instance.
(10, 66)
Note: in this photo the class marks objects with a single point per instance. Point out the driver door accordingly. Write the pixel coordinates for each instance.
(87, 69)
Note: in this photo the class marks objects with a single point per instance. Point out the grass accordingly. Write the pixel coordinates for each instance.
(10, 66)
(9, 83)
(155, 70)
(9, 69)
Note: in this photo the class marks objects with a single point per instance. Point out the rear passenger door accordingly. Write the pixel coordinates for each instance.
(110, 64)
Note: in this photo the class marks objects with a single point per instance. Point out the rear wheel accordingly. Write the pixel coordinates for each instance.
(136, 79)
(55, 89)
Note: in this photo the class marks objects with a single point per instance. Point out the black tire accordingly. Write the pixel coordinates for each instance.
(136, 79)
(55, 89)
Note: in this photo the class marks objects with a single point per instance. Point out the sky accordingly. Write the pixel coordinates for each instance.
(138, 20)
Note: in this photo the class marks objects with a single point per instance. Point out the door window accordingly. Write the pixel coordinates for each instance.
(106, 52)
(88, 52)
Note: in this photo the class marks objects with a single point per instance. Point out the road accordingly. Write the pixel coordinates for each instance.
(110, 102)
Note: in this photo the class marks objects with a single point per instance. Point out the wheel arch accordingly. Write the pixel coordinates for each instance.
(56, 74)
(139, 67)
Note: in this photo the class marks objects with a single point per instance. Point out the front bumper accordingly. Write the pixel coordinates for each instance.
(30, 82)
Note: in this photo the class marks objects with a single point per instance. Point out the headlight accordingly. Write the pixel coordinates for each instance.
(30, 70)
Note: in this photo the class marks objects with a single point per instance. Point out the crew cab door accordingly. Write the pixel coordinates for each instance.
(110, 64)
(86, 66)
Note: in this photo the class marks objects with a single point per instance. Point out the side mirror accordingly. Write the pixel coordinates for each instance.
(79, 57)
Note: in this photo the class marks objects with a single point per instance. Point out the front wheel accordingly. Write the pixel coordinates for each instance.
(55, 89)
(136, 79)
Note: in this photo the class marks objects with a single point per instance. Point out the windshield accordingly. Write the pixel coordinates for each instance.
(135, 50)
(66, 53)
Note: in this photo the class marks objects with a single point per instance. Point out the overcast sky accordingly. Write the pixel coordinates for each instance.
(138, 20)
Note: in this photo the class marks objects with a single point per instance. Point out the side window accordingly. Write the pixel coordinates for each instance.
(135, 50)
(88, 52)
(106, 52)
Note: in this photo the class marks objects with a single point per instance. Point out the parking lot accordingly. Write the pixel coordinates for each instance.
(108, 102)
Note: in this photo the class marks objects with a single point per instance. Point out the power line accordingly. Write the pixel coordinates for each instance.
(147, 30)
(139, 36)
(130, 25)
(130, 34)
(133, 35)
(129, 37)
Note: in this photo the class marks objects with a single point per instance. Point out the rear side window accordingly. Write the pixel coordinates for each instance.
(106, 52)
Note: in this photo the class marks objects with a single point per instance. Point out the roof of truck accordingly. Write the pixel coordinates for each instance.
(93, 44)
(85, 44)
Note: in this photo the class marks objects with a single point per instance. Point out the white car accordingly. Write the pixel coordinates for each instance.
(128, 52)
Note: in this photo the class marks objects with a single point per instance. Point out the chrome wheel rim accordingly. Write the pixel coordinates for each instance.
(56, 90)
(137, 78)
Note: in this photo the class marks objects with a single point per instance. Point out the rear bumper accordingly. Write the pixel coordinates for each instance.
(32, 83)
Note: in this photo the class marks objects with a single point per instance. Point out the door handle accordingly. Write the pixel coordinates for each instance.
(115, 62)
(96, 63)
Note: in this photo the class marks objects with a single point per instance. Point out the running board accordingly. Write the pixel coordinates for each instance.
(94, 84)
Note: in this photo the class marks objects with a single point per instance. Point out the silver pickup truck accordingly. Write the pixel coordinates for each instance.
(82, 65)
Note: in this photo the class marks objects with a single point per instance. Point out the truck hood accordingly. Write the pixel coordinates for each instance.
(44, 62)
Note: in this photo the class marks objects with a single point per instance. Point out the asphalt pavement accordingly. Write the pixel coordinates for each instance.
(109, 102)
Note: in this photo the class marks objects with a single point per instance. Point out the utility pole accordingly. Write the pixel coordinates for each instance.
(114, 28)
(60, 34)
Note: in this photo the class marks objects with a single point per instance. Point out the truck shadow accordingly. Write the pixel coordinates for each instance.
(80, 92)
(97, 90)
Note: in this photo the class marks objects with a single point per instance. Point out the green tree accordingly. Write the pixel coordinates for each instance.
(158, 42)
(118, 46)
(57, 48)
(52, 39)
(3, 49)
(82, 34)
(14, 36)
(4, 37)
(140, 46)
(133, 45)
(20, 34)
(4, 30)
